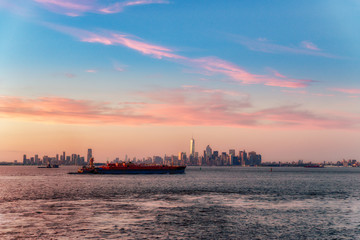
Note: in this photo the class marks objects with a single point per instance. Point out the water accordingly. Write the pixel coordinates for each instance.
(211, 203)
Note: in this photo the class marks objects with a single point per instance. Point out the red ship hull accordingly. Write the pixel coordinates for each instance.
(113, 168)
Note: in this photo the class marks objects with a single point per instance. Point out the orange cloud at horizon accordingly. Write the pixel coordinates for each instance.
(187, 106)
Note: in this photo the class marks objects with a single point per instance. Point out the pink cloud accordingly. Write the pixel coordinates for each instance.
(295, 91)
(347, 90)
(183, 106)
(71, 111)
(118, 7)
(263, 45)
(303, 92)
(309, 45)
(70, 75)
(112, 38)
(192, 105)
(323, 95)
(213, 65)
(220, 91)
(277, 74)
(119, 67)
(68, 7)
(145, 48)
(91, 71)
(16, 7)
(78, 7)
(292, 116)
(206, 65)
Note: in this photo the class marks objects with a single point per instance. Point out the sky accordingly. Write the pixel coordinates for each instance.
(141, 77)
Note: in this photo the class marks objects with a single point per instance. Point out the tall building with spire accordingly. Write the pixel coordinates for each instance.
(192, 147)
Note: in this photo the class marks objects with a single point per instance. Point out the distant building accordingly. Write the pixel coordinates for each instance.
(223, 159)
(243, 158)
(182, 158)
(254, 159)
(208, 151)
(89, 155)
(157, 160)
(174, 160)
(232, 152)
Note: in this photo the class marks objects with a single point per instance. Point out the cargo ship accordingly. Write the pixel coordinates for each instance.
(130, 168)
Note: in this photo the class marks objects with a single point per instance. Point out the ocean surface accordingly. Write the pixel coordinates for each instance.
(204, 203)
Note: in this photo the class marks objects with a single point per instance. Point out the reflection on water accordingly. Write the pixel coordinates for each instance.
(211, 203)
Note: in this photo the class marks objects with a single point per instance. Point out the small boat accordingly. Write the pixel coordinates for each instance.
(130, 168)
(50, 166)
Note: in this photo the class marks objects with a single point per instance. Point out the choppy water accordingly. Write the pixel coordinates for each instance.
(211, 203)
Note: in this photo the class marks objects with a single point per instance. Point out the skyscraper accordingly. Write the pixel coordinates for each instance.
(232, 152)
(192, 147)
(89, 155)
(208, 151)
(37, 160)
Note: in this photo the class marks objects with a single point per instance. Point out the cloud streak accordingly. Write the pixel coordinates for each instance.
(214, 65)
(347, 90)
(76, 8)
(71, 111)
(204, 65)
(186, 106)
(264, 45)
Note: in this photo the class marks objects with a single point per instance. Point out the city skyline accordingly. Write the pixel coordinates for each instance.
(209, 157)
(191, 158)
(140, 77)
